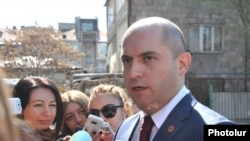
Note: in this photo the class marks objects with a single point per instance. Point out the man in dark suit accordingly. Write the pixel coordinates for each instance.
(154, 67)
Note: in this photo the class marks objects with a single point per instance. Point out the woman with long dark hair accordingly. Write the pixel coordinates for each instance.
(41, 105)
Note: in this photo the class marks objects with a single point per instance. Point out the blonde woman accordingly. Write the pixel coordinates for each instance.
(111, 103)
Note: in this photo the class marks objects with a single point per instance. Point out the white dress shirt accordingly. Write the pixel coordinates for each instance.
(160, 116)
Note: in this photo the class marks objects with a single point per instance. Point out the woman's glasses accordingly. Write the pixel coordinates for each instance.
(108, 111)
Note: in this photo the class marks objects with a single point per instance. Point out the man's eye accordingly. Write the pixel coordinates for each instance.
(149, 58)
(126, 60)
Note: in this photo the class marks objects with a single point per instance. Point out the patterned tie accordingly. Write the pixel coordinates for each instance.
(146, 128)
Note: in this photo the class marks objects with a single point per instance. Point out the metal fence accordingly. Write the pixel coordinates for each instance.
(226, 93)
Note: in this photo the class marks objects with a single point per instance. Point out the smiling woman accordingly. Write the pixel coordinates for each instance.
(41, 104)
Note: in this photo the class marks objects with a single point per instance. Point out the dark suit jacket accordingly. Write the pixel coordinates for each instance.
(185, 123)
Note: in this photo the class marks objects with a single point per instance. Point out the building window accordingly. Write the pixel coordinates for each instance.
(88, 60)
(119, 4)
(205, 38)
(103, 49)
(87, 27)
(111, 13)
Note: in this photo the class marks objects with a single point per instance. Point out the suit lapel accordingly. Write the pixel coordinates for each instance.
(174, 123)
(128, 126)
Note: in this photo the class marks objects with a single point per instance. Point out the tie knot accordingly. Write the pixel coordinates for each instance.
(148, 120)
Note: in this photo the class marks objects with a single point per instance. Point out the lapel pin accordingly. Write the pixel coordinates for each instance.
(170, 128)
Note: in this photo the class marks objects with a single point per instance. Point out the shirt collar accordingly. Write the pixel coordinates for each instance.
(162, 114)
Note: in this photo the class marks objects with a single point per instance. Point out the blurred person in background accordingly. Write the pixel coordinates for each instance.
(75, 108)
(41, 105)
(111, 103)
(8, 131)
(12, 128)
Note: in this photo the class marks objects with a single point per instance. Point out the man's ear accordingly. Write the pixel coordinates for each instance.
(184, 62)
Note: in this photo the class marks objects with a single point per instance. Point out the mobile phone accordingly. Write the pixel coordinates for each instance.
(106, 128)
(93, 125)
(15, 105)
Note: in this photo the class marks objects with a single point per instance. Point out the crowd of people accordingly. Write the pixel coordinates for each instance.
(154, 66)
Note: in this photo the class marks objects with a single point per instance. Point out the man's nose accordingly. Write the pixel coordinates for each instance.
(136, 70)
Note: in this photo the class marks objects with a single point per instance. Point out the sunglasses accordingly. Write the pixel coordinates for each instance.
(108, 111)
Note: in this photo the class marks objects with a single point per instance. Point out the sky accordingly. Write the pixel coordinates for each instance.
(46, 13)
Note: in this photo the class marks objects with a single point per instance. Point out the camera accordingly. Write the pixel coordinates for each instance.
(15, 105)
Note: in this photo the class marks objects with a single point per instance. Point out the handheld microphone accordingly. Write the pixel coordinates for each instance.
(81, 136)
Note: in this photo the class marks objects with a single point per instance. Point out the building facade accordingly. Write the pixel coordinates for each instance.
(85, 36)
(217, 36)
(209, 34)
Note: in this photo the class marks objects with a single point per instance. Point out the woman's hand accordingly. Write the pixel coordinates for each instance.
(104, 137)
(67, 138)
(107, 137)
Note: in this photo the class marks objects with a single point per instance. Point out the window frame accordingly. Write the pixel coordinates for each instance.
(110, 13)
(87, 26)
(212, 46)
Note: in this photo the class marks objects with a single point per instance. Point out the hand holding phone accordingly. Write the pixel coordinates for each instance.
(106, 128)
(93, 125)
